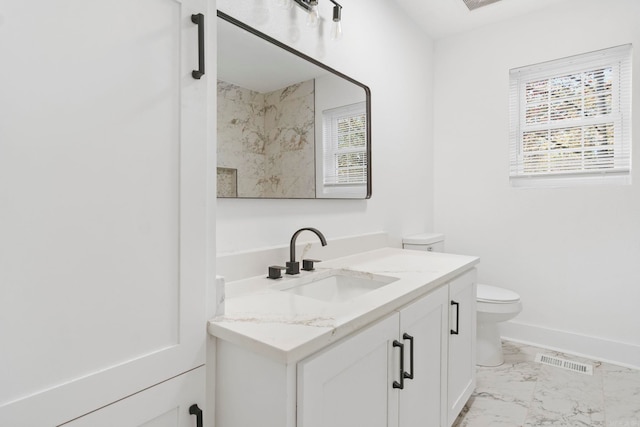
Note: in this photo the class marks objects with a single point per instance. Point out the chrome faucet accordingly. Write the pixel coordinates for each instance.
(293, 267)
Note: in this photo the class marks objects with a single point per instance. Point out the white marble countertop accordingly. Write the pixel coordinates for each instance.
(287, 327)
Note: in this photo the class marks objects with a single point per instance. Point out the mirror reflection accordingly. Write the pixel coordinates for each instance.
(288, 126)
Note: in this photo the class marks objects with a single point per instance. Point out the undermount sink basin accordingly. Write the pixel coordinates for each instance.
(339, 285)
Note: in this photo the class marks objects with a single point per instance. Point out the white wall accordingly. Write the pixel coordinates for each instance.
(383, 49)
(571, 253)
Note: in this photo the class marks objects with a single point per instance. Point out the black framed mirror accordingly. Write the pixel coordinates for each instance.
(289, 127)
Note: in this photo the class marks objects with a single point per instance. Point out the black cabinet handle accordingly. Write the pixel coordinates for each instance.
(194, 410)
(400, 384)
(408, 375)
(457, 304)
(199, 20)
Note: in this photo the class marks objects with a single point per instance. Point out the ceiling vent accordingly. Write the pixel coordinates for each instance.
(474, 4)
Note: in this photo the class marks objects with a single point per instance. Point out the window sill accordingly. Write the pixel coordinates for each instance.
(570, 181)
(343, 191)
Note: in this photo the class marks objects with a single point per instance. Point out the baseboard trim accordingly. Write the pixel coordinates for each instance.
(617, 353)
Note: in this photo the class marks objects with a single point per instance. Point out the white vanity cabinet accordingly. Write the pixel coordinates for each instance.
(103, 177)
(356, 381)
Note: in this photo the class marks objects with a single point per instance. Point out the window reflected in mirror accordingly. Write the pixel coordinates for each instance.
(288, 126)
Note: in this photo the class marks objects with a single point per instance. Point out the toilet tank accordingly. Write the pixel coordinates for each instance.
(432, 242)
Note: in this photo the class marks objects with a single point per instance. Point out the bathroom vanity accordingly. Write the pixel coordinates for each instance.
(380, 338)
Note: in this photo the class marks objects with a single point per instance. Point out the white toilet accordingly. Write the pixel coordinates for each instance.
(494, 304)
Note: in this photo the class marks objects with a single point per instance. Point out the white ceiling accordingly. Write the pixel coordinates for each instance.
(441, 18)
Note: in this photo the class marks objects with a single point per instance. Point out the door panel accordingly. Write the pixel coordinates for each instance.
(462, 355)
(350, 383)
(164, 405)
(103, 183)
(425, 321)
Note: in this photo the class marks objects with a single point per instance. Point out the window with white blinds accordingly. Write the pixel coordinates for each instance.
(570, 120)
(345, 145)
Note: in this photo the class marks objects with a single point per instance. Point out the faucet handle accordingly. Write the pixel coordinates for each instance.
(307, 264)
(275, 271)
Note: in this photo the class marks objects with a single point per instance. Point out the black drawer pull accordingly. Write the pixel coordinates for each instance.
(400, 384)
(194, 410)
(199, 20)
(408, 375)
(456, 331)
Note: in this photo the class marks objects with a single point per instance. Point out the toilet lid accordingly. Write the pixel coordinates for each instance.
(487, 293)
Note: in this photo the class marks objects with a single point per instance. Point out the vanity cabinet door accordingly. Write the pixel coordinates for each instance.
(164, 405)
(462, 343)
(423, 330)
(103, 177)
(350, 383)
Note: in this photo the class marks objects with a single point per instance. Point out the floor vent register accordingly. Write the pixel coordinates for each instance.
(582, 368)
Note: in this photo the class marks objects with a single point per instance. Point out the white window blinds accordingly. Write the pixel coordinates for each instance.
(571, 117)
(345, 145)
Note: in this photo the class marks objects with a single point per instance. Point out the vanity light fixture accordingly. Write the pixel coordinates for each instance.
(313, 18)
(336, 27)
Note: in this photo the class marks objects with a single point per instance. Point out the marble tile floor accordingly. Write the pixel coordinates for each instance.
(525, 393)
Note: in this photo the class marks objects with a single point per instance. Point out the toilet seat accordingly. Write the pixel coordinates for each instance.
(495, 295)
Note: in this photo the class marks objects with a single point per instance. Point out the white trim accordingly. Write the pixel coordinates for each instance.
(579, 180)
(580, 62)
(596, 348)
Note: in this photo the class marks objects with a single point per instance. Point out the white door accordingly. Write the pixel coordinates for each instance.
(462, 338)
(423, 330)
(167, 404)
(351, 383)
(102, 202)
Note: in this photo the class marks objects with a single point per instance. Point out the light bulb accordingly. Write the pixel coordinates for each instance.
(313, 18)
(336, 30)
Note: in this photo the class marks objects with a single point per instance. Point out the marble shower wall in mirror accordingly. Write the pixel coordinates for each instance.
(288, 126)
(268, 139)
